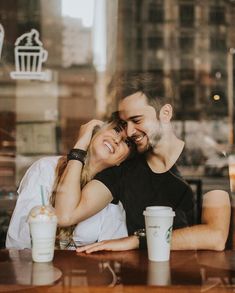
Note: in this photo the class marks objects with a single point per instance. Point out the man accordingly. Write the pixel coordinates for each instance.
(149, 179)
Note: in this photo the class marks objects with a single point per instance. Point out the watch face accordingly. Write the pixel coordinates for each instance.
(140, 233)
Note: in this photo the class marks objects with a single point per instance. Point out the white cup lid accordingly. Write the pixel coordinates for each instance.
(162, 211)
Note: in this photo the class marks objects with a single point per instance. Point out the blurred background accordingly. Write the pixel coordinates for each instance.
(190, 44)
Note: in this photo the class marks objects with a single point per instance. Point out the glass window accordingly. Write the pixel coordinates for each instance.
(186, 62)
(187, 94)
(155, 13)
(186, 44)
(138, 13)
(218, 43)
(217, 15)
(155, 43)
(187, 74)
(186, 15)
(47, 92)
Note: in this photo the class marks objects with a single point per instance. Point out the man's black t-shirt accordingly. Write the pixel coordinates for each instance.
(137, 186)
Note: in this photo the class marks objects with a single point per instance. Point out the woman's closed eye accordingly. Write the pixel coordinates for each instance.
(120, 126)
(118, 129)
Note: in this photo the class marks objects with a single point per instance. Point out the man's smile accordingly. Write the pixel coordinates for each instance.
(138, 138)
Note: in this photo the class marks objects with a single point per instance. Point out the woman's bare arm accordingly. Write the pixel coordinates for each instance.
(68, 193)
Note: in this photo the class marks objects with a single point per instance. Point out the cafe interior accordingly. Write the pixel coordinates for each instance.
(58, 60)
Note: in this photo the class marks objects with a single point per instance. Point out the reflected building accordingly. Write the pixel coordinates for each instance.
(77, 102)
(76, 44)
(59, 106)
(185, 42)
(77, 80)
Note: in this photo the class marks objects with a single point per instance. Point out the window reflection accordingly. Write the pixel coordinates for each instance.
(184, 42)
(186, 15)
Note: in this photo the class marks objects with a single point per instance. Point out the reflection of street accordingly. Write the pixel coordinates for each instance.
(209, 183)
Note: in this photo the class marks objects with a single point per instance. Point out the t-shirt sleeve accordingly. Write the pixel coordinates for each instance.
(111, 179)
(185, 210)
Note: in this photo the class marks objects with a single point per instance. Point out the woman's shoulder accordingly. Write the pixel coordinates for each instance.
(45, 162)
(42, 170)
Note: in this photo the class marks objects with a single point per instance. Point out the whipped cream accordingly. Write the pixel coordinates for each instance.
(42, 213)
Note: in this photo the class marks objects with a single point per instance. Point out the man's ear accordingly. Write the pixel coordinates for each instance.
(165, 114)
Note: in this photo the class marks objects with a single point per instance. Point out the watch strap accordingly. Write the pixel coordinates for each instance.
(77, 154)
(141, 234)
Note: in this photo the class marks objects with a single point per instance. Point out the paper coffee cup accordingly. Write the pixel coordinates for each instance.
(158, 225)
(159, 273)
(42, 223)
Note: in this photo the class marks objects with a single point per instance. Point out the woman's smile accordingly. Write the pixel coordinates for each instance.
(109, 146)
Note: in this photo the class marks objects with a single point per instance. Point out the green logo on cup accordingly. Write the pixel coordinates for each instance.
(168, 234)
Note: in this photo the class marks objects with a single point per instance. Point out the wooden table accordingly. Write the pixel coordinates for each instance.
(187, 271)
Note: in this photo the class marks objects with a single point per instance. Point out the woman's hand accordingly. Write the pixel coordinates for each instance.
(126, 243)
(85, 134)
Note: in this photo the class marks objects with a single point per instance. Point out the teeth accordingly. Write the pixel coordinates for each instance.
(109, 146)
(137, 139)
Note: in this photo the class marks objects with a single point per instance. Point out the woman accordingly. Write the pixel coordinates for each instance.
(108, 146)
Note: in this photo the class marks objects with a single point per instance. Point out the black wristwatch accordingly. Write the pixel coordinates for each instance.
(77, 154)
(141, 234)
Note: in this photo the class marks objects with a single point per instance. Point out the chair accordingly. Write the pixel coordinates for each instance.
(196, 185)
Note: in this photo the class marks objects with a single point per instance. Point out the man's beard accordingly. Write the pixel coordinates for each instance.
(155, 137)
(154, 140)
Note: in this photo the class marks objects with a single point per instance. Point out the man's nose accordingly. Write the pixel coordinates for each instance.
(130, 129)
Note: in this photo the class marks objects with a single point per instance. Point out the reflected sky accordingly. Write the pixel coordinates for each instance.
(79, 9)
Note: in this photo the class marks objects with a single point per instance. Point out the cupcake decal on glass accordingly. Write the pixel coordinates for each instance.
(29, 56)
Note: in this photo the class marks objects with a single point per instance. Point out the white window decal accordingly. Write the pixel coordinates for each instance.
(29, 56)
(1, 38)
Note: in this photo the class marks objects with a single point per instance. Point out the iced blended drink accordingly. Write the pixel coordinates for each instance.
(42, 222)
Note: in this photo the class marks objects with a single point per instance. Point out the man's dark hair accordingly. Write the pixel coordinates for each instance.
(149, 84)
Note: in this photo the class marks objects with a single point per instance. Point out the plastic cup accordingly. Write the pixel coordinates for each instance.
(42, 222)
(44, 274)
(158, 225)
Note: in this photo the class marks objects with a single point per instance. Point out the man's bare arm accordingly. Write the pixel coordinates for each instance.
(212, 233)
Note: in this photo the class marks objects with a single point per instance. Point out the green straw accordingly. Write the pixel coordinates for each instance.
(42, 195)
